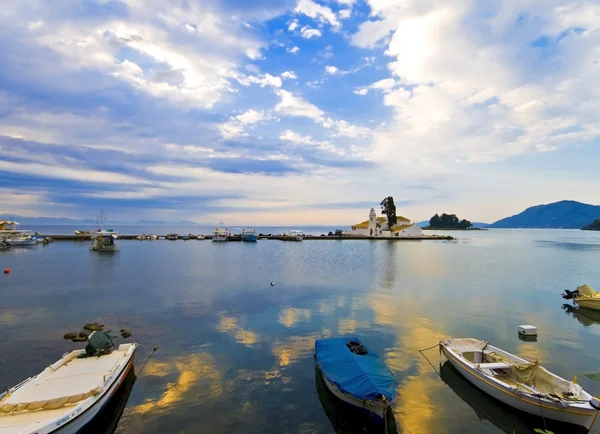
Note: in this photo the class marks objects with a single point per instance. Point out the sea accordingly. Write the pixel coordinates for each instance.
(235, 324)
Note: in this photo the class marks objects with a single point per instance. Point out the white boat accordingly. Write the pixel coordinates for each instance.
(22, 241)
(521, 384)
(200, 237)
(220, 235)
(66, 395)
(104, 241)
(82, 233)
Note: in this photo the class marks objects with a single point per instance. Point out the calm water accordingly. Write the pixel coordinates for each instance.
(236, 353)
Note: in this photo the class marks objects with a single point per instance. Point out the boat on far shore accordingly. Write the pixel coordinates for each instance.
(81, 233)
(249, 235)
(220, 234)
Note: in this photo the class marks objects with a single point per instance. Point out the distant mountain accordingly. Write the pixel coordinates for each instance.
(425, 223)
(566, 214)
(593, 226)
(73, 222)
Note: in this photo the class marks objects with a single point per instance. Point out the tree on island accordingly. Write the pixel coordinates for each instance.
(593, 226)
(448, 221)
(389, 209)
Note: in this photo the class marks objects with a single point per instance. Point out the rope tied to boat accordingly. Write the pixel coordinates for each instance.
(147, 360)
(428, 361)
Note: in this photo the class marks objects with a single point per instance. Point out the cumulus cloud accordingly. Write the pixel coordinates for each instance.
(321, 13)
(385, 85)
(293, 50)
(309, 33)
(264, 80)
(344, 14)
(291, 105)
(293, 25)
(288, 75)
(323, 145)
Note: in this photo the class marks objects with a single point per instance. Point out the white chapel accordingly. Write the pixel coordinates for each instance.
(378, 227)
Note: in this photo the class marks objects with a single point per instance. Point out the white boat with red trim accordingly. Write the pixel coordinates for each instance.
(521, 384)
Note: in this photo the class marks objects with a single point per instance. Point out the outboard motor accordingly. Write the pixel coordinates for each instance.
(570, 295)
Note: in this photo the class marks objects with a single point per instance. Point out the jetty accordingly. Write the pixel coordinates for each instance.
(86, 238)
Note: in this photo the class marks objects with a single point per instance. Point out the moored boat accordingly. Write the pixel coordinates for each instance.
(521, 384)
(69, 393)
(584, 296)
(172, 237)
(220, 235)
(356, 375)
(21, 241)
(249, 235)
(81, 233)
(104, 241)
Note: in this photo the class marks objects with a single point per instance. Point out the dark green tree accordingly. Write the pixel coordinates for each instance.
(389, 209)
(435, 221)
(465, 224)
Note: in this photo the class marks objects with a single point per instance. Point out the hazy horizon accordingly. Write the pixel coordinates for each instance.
(297, 111)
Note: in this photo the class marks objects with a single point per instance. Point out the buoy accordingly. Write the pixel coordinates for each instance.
(272, 283)
(7, 271)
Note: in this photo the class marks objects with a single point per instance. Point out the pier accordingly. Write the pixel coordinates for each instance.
(69, 237)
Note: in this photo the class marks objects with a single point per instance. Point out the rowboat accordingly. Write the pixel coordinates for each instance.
(521, 384)
(356, 375)
(584, 296)
(64, 397)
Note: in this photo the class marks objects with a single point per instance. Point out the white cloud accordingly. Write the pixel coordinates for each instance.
(344, 14)
(291, 105)
(333, 70)
(236, 125)
(251, 117)
(316, 11)
(293, 50)
(346, 2)
(288, 75)
(291, 136)
(309, 33)
(385, 85)
(264, 80)
(293, 25)
(298, 139)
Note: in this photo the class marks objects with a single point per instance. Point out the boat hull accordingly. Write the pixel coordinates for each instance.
(22, 243)
(249, 238)
(585, 417)
(77, 424)
(588, 302)
(219, 239)
(373, 408)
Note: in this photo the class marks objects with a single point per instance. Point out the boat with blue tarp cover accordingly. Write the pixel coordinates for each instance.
(355, 374)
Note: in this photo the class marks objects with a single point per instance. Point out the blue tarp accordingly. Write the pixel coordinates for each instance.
(362, 376)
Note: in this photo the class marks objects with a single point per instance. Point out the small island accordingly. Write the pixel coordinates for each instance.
(593, 226)
(449, 222)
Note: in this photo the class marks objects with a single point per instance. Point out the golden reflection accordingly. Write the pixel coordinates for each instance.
(193, 370)
(349, 326)
(290, 317)
(158, 369)
(230, 325)
(415, 404)
(532, 352)
(325, 307)
(297, 347)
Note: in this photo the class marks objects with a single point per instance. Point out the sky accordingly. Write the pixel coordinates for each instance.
(297, 112)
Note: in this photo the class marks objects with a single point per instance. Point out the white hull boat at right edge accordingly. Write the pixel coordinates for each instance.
(521, 384)
(67, 394)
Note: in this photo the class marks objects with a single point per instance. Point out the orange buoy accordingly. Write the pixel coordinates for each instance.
(6, 270)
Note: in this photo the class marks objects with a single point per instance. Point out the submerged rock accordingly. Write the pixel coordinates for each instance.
(80, 339)
(94, 327)
(84, 334)
(70, 335)
(125, 334)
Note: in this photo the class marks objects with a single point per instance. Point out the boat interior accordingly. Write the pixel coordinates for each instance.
(518, 373)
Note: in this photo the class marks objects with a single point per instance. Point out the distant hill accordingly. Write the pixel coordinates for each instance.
(425, 223)
(566, 214)
(68, 221)
(593, 226)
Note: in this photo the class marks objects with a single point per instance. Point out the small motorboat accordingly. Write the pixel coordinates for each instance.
(22, 241)
(200, 237)
(521, 384)
(69, 393)
(172, 237)
(584, 296)
(104, 241)
(80, 233)
(356, 375)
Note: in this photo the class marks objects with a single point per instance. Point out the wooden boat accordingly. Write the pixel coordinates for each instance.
(521, 384)
(356, 375)
(21, 241)
(104, 241)
(68, 394)
(584, 296)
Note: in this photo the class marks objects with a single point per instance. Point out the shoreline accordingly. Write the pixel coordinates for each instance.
(264, 237)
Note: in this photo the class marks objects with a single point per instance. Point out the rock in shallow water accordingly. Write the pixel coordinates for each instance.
(70, 335)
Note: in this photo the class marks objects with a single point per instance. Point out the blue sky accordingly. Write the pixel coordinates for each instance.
(296, 112)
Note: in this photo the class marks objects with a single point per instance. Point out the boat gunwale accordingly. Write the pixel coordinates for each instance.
(84, 407)
(586, 408)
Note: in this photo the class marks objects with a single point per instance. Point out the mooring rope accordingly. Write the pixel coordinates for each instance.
(428, 361)
(147, 360)
(542, 409)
